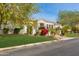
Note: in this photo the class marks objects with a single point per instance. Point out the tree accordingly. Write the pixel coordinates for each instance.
(4, 13)
(69, 17)
(23, 13)
(16, 12)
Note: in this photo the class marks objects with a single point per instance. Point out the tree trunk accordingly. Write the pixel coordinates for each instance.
(1, 20)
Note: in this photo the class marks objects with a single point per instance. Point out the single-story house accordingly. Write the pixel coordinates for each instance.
(41, 23)
(34, 26)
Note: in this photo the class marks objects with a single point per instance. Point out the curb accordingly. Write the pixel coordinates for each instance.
(68, 38)
(27, 45)
(31, 45)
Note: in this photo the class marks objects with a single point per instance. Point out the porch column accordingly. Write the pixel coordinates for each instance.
(24, 30)
(33, 31)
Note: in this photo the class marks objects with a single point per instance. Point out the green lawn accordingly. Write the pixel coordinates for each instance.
(72, 34)
(15, 40)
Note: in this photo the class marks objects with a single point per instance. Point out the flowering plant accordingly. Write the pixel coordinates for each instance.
(44, 31)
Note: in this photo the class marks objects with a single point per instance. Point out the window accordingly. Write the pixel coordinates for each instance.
(41, 24)
(47, 26)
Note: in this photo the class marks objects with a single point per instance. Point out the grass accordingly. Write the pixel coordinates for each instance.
(15, 40)
(72, 34)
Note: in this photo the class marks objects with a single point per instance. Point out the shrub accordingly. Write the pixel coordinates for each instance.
(72, 34)
(65, 28)
(53, 31)
(17, 30)
(5, 30)
(44, 31)
(75, 29)
(29, 30)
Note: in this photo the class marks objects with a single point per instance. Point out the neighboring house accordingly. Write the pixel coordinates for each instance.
(57, 25)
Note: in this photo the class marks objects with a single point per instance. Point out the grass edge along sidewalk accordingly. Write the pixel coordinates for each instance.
(16, 40)
(27, 45)
(31, 45)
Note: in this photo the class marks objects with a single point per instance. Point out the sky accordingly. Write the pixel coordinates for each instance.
(50, 11)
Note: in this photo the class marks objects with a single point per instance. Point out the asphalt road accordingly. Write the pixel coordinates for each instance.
(60, 48)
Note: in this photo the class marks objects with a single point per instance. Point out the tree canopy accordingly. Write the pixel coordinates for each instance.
(16, 12)
(69, 17)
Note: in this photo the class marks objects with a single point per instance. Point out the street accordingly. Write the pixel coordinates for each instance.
(60, 48)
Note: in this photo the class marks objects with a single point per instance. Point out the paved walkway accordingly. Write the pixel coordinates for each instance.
(62, 37)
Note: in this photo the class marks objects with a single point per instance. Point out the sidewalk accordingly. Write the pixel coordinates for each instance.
(63, 37)
(67, 38)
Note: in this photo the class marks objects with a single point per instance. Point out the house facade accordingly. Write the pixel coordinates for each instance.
(40, 23)
(44, 23)
(34, 26)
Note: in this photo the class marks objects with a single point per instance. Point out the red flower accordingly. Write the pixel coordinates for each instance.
(44, 31)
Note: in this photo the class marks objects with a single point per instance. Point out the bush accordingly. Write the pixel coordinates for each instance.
(72, 34)
(17, 30)
(75, 29)
(29, 30)
(5, 30)
(65, 28)
(44, 31)
(53, 31)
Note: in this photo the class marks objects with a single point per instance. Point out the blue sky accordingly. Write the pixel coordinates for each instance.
(49, 11)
